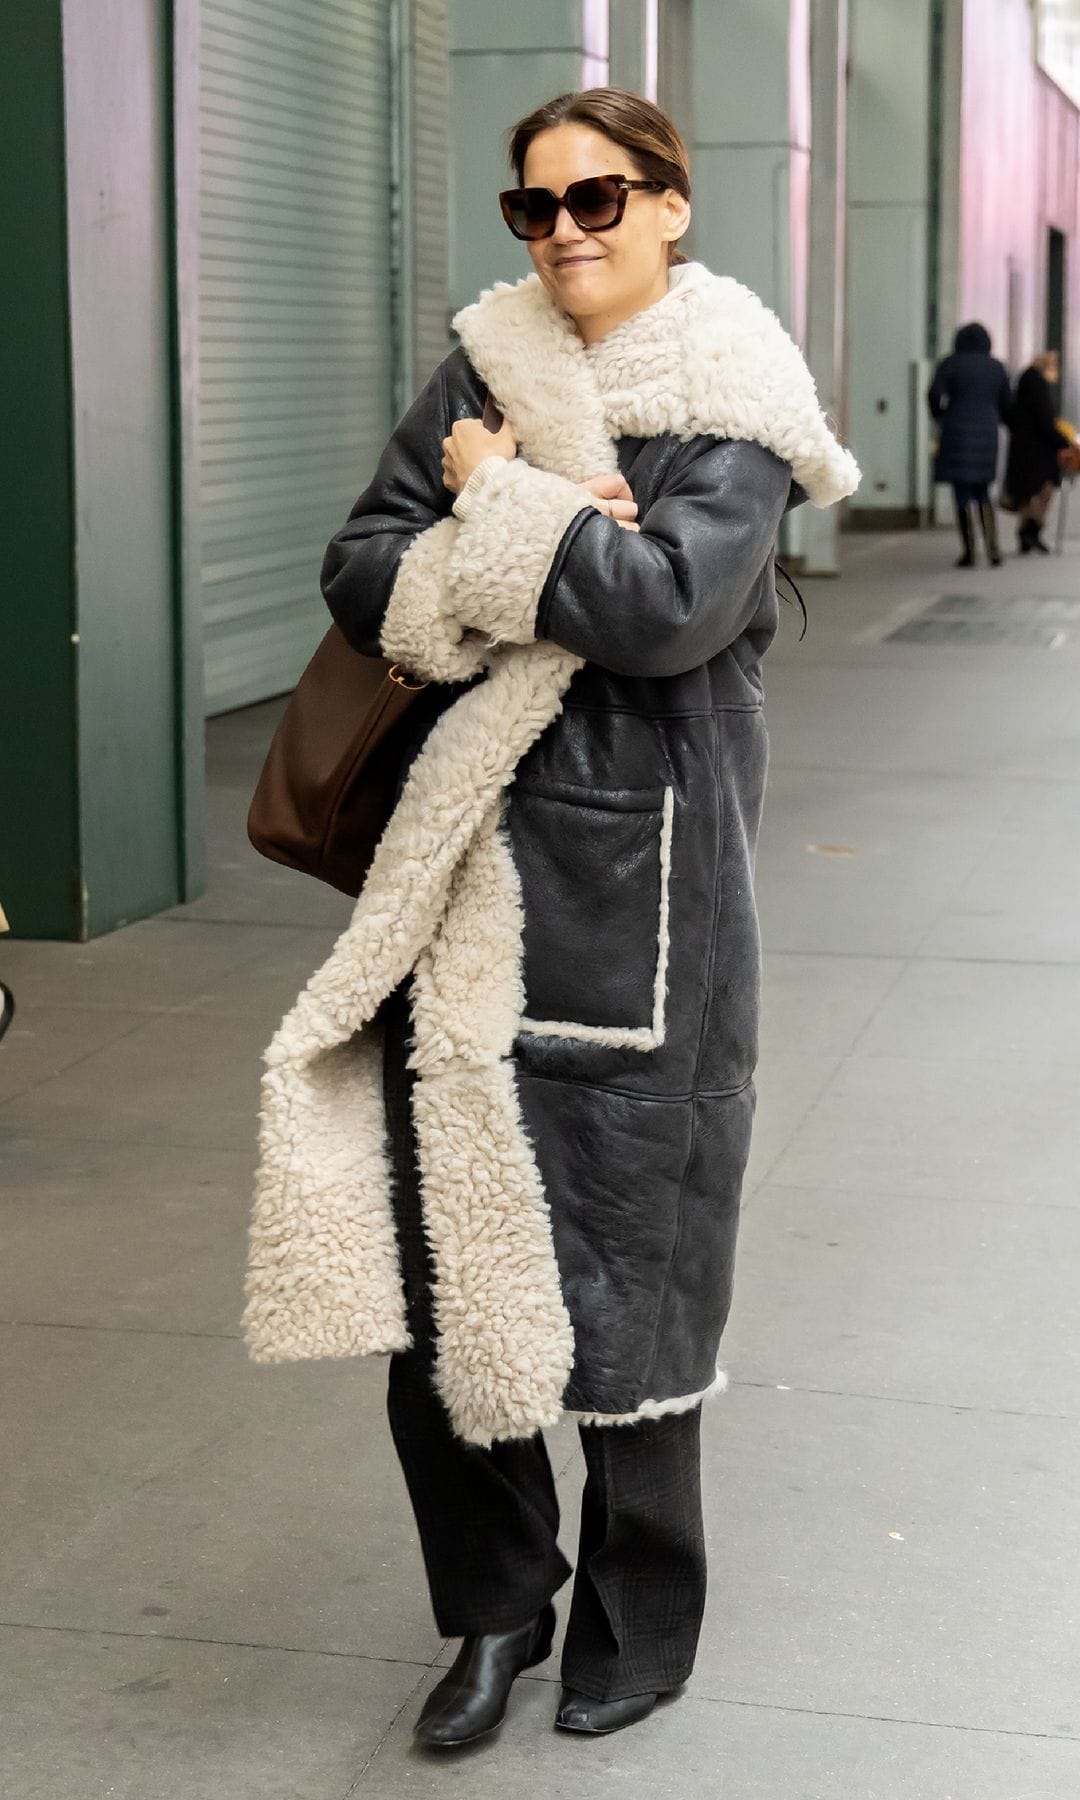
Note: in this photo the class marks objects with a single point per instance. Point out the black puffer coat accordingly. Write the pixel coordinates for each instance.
(970, 400)
(1034, 439)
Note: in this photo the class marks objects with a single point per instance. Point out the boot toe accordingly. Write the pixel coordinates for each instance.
(472, 1697)
(577, 1712)
(449, 1730)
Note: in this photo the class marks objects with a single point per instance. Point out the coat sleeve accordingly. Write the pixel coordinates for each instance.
(656, 602)
(938, 394)
(405, 499)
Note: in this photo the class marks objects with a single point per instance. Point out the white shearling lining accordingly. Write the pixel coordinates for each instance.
(655, 1409)
(709, 359)
(419, 630)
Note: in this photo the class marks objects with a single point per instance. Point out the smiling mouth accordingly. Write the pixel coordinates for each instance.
(567, 262)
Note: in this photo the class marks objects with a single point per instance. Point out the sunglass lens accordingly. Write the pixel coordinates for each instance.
(531, 212)
(594, 203)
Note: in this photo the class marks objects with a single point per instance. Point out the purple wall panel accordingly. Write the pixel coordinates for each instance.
(1020, 175)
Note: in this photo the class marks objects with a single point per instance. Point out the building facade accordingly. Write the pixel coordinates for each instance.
(243, 227)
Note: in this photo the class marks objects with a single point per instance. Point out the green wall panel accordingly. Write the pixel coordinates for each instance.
(90, 778)
(118, 63)
(888, 227)
(39, 854)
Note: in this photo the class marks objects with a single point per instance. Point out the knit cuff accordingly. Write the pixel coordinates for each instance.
(480, 478)
(513, 519)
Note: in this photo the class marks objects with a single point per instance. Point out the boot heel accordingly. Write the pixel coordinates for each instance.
(545, 1637)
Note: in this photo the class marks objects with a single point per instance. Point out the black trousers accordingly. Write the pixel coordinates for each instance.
(489, 1519)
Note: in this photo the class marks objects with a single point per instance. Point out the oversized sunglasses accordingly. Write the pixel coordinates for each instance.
(595, 204)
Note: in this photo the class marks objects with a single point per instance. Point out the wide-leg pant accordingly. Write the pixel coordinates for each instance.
(488, 1519)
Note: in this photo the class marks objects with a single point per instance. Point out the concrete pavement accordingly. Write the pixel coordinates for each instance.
(209, 1583)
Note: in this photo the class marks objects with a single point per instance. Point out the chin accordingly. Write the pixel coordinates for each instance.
(590, 284)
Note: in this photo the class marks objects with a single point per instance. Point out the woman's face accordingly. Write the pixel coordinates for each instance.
(610, 273)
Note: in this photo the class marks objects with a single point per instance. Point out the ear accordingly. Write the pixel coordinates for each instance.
(676, 217)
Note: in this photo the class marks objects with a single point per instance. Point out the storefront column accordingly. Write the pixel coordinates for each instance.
(93, 773)
(825, 290)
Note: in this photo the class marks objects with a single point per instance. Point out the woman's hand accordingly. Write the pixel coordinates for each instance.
(468, 445)
(614, 498)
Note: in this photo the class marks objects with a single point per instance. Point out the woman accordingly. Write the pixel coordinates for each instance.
(1033, 469)
(970, 399)
(558, 932)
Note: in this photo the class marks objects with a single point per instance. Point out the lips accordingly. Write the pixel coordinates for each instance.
(576, 262)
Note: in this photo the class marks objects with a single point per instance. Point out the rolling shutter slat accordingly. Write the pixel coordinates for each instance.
(295, 382)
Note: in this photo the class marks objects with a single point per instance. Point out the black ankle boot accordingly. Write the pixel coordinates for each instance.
(1026, 534)
(471, 1698)
(988, 521)
(967, 537)
(578, 1713)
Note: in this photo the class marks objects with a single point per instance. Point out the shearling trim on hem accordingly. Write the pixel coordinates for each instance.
(505, 1344)
(655, 1409)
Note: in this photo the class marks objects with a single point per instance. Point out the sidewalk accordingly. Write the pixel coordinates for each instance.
(209, 1583)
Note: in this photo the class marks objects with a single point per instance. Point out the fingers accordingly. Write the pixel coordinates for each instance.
(609, 487)
(622, 511)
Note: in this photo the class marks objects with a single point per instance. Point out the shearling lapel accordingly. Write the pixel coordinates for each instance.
(709, 360)
(535, 364)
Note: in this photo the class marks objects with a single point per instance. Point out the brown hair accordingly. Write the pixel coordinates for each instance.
(635, 124)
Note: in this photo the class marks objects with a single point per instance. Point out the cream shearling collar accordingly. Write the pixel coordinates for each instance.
(709, 359)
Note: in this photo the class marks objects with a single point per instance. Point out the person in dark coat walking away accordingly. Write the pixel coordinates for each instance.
(1033, 470)
(504, 1127)
(970, 400)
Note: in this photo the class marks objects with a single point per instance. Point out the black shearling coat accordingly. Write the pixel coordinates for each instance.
(641, 1153)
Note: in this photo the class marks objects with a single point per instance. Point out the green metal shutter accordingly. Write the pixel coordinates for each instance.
(295, 327)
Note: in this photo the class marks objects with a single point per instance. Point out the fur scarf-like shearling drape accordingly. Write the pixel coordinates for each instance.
(442, 898)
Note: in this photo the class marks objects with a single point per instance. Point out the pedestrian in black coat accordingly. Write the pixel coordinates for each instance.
(1033, 470)
(970, 399)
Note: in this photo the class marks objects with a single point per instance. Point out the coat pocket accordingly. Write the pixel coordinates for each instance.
(595, 871)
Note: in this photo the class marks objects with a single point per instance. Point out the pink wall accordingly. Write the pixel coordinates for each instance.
(1020, 174)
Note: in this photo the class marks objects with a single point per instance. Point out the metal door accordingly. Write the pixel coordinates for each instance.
(295, 350)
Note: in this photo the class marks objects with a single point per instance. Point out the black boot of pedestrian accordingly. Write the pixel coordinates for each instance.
(1026, 534)
(966, 523)
(597, 1717)
(988, 521)
(472, 1697)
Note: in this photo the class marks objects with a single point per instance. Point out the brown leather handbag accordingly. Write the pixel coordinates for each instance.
(330, 777)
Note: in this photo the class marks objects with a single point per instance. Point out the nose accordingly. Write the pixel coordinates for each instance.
(567, 230)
